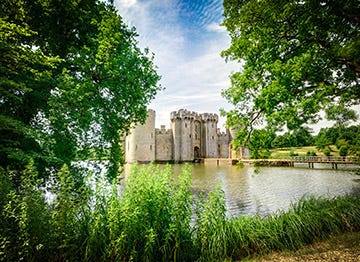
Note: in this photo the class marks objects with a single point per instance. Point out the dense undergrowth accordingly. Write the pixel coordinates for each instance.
(154, 218)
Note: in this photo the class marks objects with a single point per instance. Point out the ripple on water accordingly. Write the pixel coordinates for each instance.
(272, 188)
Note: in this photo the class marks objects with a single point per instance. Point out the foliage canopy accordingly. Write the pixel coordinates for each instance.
(72, 79)
(299, 58)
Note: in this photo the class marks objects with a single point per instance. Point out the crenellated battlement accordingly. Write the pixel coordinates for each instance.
(191, 136)
(209, 117)
(163, 131)
(183, 114)
(223, 134)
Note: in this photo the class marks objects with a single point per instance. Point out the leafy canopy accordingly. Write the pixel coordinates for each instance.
(72, 80)
(299, 58)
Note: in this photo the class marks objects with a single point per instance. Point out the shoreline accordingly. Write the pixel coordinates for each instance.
(342, 247)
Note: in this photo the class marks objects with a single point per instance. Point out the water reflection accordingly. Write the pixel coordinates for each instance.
(272, 188)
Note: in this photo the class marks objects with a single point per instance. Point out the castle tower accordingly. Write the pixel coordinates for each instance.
(223, 143)
(182, 127)
(197, 136)
(140, 143)
(209, 135)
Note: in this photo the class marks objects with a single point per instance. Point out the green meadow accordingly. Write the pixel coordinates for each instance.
(301, 151)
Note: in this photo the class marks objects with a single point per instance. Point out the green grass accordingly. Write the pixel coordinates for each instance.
(344, 247)
(156, 218)
(279, 153)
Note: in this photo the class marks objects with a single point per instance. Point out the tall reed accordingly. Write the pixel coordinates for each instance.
(151, 220)
(309, 220)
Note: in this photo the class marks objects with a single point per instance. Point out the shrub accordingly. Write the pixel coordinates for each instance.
(327, 151)
(343, 150)
(311, 153)
(292, 153)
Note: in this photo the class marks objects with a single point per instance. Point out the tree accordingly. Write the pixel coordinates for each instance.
(303, 137)
(260, 143)
(80, 84)
(323, 140)
(285, 140)
(299, 58)
(25, 75)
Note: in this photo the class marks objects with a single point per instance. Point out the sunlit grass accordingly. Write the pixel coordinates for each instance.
(286, 152)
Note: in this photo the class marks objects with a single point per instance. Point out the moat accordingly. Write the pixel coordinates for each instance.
(251, 191)
(265, 190)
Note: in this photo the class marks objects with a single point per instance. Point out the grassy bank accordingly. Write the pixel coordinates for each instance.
(300, 151)
(155, 218)
(344, 247)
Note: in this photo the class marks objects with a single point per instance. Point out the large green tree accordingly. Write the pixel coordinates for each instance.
(25, 77)
(72, 79)
(299, 58)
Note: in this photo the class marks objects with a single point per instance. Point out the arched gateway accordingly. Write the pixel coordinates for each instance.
(197, 152)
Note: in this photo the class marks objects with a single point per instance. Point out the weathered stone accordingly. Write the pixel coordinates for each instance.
(191, 136)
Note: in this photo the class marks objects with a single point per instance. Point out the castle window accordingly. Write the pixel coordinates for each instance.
(150, 147)
(152, 135)
(190, 135)
(136, 147)
(212, 137)
(212, 125)
(185, 125)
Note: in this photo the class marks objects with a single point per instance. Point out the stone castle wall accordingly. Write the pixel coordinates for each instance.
(140, 143)
(191, 136)
(163, 144)
(224, 143)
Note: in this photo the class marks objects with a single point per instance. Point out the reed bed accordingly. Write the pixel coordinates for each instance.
(152, 220)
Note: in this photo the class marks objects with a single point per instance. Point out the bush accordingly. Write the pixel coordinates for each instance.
(311, 153)
(343, 150)
(292, 153)
(260, 154)
(327, 151)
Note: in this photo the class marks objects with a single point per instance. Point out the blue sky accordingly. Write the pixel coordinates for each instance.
(186, 38)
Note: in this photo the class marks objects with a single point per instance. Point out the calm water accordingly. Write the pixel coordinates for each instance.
(269, 189)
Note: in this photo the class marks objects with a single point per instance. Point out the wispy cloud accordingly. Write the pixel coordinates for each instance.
(127, 3)
(187, 40)
(215, 27)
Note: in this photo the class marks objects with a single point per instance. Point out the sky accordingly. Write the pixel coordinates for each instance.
(187, 39)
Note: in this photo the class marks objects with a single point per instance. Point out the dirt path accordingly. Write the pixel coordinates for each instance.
(344, 248)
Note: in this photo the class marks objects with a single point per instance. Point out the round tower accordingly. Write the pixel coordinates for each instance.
(140, 143)
(187, 137)
(209, 135)
(182, 123)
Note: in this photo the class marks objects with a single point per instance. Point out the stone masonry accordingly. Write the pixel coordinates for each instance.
(191, 136)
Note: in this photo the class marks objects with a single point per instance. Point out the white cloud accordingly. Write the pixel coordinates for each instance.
(193, 73)
(215, 27)
(192, 70)
(127, 3)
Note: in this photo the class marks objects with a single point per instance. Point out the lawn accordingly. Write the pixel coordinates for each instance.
(300, 151)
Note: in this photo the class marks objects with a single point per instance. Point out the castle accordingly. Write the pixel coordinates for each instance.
(191, 136)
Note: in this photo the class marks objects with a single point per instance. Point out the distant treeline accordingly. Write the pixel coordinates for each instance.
(346, 139)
